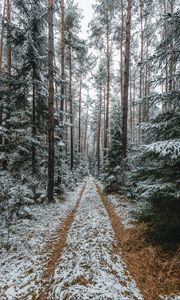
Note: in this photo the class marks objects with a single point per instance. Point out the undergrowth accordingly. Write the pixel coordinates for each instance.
(163, 223)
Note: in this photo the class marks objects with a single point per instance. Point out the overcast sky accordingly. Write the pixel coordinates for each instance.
(86, 5)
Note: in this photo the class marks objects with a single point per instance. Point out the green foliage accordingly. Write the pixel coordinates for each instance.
(113, 170)
(155, 172)
(28, 70)
(164, 224)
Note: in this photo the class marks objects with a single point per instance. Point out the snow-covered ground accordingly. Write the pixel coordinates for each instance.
(124, 208)
(89, 267)
(127, 209)
(21, 267)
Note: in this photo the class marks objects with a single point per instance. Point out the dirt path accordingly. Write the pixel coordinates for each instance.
(56, 252)
(82, 262)
(86, 265)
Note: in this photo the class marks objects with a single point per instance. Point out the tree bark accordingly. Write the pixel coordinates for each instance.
(171, 65)
(1, 56)
(131, 109)
(9, 66)
(108, 89)
(80, 105)
(9, 50)
(141, 69)
(71, 105)
(51, 103)
(62, 59)
(85, 133)
(33, 123)
(104, 120)
(99, 130)
(121, 52)
(2, 38)
(126, 81)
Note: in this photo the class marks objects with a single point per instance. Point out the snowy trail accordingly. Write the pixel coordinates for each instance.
(89, 267)
(33, 245)
(79, 262)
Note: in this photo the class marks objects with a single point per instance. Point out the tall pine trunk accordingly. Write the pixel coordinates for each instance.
(99, 130)
(51, 104)
(62, 59)
(108, 89)
(1, 56)
(33, 123)
(85, 133)
(80, 105)
(9, 66)
(121, 52)
(141, 70)
(71, 106)
(9, 50)
(126, 81)
(2, 38)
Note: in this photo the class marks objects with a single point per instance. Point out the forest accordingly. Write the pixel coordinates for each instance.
(89, 150)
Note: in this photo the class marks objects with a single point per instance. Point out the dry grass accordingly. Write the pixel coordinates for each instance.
(80, 280)
(156, 271)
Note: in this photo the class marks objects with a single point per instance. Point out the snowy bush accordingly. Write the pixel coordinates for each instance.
(155, 169)
(113, 171)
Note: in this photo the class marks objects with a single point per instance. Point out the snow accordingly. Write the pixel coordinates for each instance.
(170, 148)
(126, 209)
(89, 267)
(22, 266)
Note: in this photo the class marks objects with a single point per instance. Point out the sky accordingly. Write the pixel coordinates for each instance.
(86, 5)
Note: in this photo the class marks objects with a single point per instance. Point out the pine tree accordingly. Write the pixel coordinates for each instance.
(156, 166)
(51, 103)
(126, 80)
(102, 31)
(113, 170)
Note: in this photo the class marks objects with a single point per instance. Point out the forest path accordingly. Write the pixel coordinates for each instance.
(87, 264)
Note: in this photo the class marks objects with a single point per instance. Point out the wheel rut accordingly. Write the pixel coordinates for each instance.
(56, 251)
(90, 267)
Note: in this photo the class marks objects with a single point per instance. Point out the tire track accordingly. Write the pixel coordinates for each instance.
(115, 220)
(56, 252)
(90, 268)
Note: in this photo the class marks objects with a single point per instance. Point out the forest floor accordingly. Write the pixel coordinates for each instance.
(77, 249)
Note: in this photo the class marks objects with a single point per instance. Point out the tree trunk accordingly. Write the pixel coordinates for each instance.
(85, 133)
(126, 81)
(2, 38)
(62, 59)
(9, 51)
(141, 69)
(33, 124)
(71, 105)
(80, 104)
(171, 64)
(99, 130)
(108, 90)
(1, 56)
(131, 109)
(146, 89)
(104, 121)
(51, 104)
(8, 59)
(121, 52)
